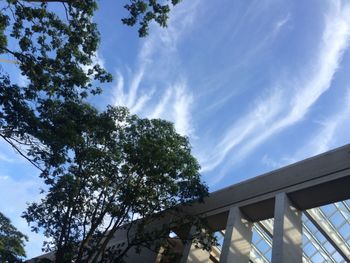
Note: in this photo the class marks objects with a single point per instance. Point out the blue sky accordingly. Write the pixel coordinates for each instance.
(255, 85)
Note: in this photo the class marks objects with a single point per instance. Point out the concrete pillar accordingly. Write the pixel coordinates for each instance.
(193, 254)
(287, 232)
(237, 240)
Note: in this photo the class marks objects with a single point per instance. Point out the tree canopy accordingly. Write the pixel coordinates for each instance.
(125, 168)
(11, 242)
(55, 51)
(103, 169)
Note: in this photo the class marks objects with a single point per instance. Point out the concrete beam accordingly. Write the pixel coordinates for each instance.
(311, 178)
(238, 236)
(287, 232)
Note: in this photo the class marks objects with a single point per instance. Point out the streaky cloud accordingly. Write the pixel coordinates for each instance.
(118, 92)
(160, 107)
(244, 137)
(264, 112)
(141, 102)
(328, 136)
(160, 46)
(134, 86)
(281, 23)
(182, 113)
(131, 99)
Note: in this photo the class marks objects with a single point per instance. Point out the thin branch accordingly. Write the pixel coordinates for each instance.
(66, 10)
(20, 152)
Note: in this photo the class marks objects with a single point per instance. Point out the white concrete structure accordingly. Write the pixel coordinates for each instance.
(238, 238)
(287, 229)
(280, 207)
(283, 195)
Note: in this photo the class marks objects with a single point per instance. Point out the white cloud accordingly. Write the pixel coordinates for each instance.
(264, 112)
(174, 105)
(160, 107)
(281, 111)
(333, 132)
(281, 23)
(118, 92)
(156, 60)
(182, 112)
(134, 86)
(142, 102)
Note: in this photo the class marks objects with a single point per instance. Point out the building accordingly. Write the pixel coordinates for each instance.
(299, 213)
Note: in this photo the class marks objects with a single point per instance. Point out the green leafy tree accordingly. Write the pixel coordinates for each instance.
(125, 168)
(55, 51)
(98, 166)
(143, 12)
(11, 242)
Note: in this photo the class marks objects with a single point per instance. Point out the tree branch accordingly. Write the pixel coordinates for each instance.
(20, 152)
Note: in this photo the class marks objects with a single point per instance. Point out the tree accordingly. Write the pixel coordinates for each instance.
(125, 168)
(143, 12)
(55, 51)
(97, 165)
(11, 242)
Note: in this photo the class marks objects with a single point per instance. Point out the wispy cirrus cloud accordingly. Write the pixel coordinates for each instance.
(162, 105)
(287, 106)
(174, 104)
(168, 96)
(331, 130)
(130, 97)
(281, 23)
(248, 53)
(265, 111)
(182, 110)
(332, 133)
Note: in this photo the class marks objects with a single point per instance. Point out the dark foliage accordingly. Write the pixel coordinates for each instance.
(11, 242)
(104, 169)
